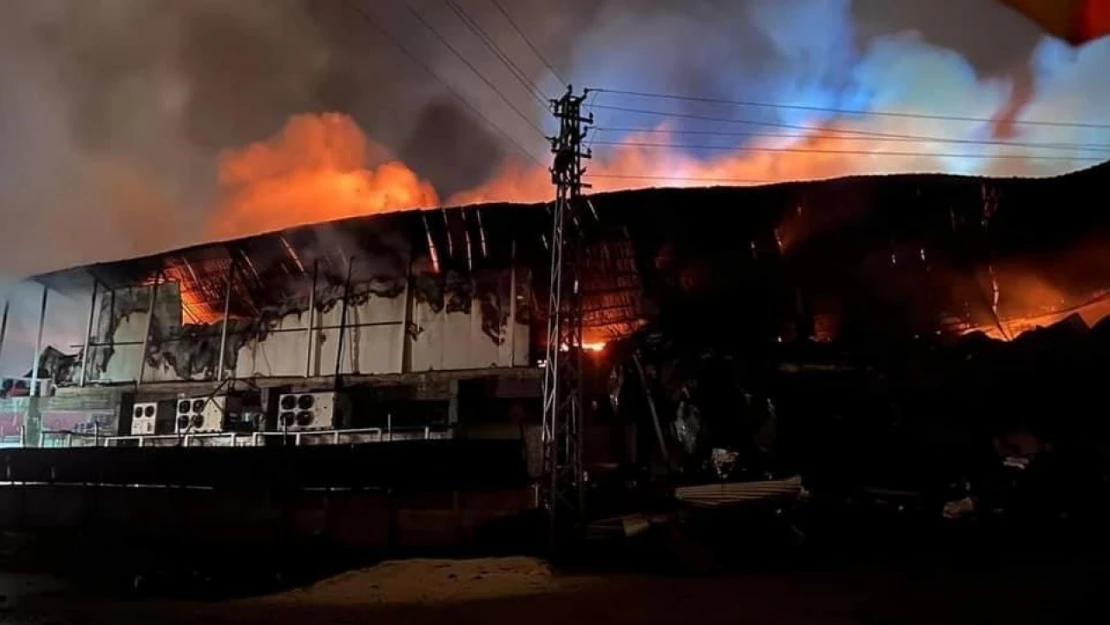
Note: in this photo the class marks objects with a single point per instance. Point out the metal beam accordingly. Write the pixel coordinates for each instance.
(512, 305)
(4, 325)
(407, 323)
(310, 339)
(343, 318)
(38, 344)
(149, 323)
(88, 335)
(223, 326)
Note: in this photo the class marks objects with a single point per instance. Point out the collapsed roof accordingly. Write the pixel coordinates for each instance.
(908, 253)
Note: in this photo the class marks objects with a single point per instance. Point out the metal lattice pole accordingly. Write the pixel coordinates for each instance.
(562, 399)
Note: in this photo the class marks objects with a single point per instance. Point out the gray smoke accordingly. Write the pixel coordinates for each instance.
(113, 112)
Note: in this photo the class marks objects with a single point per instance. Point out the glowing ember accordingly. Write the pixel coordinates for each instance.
(1092, 311)
(194, 308)
(588, 346)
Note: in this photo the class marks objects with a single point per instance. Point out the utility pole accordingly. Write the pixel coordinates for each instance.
(562, 382)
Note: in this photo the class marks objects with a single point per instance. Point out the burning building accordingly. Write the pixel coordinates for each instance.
(431, 319)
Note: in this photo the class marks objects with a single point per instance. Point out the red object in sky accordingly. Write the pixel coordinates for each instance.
(1075, 21)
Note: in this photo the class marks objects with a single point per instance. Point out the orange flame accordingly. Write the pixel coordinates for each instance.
(1030, 302)
(594, 347)
(319, 168)
(194, 308)
(649, 159)
(1009, 328)
(323, 167)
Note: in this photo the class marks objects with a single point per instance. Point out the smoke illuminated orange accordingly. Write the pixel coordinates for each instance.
(1037, 305)
(319, 168)
(323, 167)
(829, 151)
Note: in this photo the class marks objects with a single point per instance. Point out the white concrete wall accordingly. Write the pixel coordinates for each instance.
(281, 352)
(374, 348)
(375, 340)
(123, 365)
(455, 340)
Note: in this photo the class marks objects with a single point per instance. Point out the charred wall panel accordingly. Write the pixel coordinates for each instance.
(116, 346)
(372, 335)
(168, 344)
(464, 322)
(280, 351)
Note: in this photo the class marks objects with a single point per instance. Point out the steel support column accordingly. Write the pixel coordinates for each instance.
(221, 363)
(343, 319)
(38, 344)
(512, 305)
(4, 325)
(310, 338)
(88, 334)
(149, 324)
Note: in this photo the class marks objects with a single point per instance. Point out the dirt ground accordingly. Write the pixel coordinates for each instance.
(525, 590)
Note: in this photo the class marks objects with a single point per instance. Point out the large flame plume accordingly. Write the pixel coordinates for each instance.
(319, 168)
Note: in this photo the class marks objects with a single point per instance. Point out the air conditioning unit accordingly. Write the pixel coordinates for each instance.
(143, 417)
(313, 411)
(206, 414)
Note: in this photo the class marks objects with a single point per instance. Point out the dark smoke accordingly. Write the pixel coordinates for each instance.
(113, 111)
(991, 36)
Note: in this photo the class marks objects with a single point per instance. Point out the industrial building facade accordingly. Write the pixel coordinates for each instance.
(429, 319)
(399, 314)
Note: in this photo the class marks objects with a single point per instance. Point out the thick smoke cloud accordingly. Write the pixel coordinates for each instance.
(135, 126)
(835, 54)
(116, 113)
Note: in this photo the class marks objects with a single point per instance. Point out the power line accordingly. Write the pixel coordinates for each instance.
(843, 111)
(492, 46)
(748, 122)
(849, 152)
(1084, 147)
(535, 50)
(731, 120)
(590, 110)
(470, 65)
(427, 68)
(692, 179)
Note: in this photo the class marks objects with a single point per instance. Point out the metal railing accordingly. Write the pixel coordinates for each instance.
(254, 439)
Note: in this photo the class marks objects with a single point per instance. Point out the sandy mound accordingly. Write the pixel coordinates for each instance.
(429, 581)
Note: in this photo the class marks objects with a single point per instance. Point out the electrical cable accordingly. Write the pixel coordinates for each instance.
(514, 69)
(427, 68)
(470, 65)
(691, 178)
(750, 122)
(844, 111)
(535, 50)
(848, 152)
(1085, 147)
